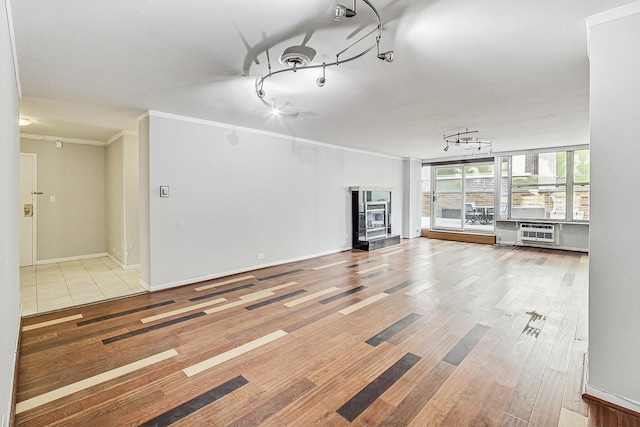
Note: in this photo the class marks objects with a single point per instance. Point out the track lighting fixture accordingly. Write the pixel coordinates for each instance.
(386, 56)
(320, 81)
(345, 12)
(470, 143)
(300, 57)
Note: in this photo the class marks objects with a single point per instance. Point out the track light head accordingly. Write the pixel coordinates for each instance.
(320, 81)
(446, 148)
(260, 93)
(386, 56)
(344, 12)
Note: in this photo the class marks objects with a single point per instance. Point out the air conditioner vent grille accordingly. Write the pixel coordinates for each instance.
(537, 232)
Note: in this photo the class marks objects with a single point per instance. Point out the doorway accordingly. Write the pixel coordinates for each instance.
(28, 208)
(463, 196)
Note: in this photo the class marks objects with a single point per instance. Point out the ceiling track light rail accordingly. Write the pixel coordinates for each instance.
(299, 57)
(463, 139)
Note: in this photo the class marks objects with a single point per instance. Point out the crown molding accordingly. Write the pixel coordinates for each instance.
(49, 138)
(152, 113)
(120, 135)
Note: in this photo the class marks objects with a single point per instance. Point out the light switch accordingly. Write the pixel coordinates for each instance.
(164, 191)
(52, 199)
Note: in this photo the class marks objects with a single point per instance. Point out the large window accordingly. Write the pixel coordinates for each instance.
(471, 195)
(542, 182)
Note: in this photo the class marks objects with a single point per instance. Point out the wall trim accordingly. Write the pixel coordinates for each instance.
(49, 138)
(611, 400)
(152, 113)
(608, 16)
(144, 285)
(11, 413)
(122, 265)
(613, 14)
(603, 397)
(120, 135)
(199, 279)
(71, 258)
(542, 246)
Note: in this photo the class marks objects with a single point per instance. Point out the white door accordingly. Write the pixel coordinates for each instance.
(28, 202)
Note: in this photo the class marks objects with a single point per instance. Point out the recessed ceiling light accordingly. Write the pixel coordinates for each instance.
(24, 122)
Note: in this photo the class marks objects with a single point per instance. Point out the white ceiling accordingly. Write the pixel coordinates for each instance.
(515, 70)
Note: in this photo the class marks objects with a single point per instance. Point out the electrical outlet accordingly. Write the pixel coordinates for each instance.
(261, 256)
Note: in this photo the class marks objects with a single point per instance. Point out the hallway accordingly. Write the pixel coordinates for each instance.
(56, 286)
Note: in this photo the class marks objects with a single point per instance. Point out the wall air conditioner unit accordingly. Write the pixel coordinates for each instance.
(531, 232)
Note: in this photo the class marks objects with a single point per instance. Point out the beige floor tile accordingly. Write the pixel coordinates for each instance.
(28, 292)
(28, 309)
(115, 293)
(54, 304)
(52, 294)
(86, 299)
(137, 288)
(53, 286)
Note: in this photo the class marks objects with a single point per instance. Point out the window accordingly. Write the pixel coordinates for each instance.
(540, 184)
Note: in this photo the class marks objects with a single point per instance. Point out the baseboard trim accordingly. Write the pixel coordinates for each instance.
(605, 398)
(199, 279)
(71, 258)
(121, 265)
(485, 239)
(144, 285)
(14, 392)
(612, 401)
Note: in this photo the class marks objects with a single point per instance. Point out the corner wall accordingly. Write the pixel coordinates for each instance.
(614, 343)
(236, 193)
(122, 200)
(412, 203)
(9, 220)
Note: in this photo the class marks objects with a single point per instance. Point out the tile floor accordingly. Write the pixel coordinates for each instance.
(54, 286)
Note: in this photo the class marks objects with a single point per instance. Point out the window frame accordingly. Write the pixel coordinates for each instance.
(568, 185)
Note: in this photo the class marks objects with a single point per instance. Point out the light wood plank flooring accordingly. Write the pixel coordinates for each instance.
(427, 333)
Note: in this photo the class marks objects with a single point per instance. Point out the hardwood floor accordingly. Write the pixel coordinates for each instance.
(426, 333)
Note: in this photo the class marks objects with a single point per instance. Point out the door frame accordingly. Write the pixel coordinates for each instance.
(463, 192)
(34, 201)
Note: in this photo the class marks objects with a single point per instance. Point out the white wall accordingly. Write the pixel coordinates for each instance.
(131, 201)
(412, 203)
(114, 168)
(614, 297)
(235, 193)
(144, 201)
(122, 200)
(9, 202)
